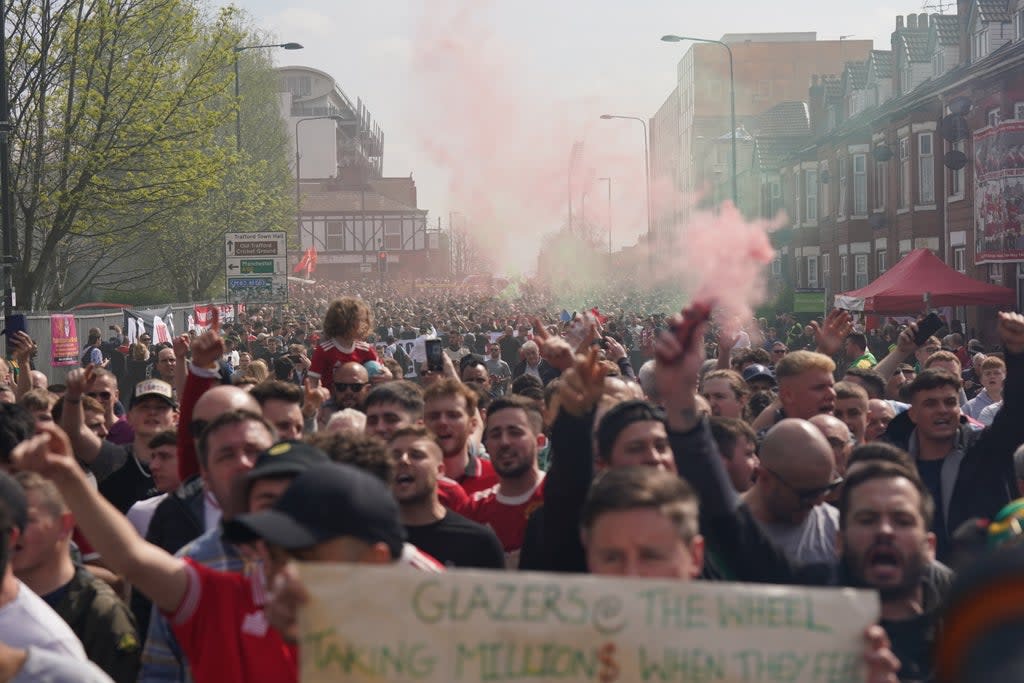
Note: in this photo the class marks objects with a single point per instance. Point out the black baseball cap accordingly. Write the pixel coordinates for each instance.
(758, 371)
(283, 459)
(324, 502)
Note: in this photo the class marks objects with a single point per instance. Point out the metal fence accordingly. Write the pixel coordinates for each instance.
(39, 329)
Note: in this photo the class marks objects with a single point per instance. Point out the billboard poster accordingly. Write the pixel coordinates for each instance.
(64, 349)
(999, 193)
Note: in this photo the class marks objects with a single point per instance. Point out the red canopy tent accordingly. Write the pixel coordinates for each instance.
(902, 288)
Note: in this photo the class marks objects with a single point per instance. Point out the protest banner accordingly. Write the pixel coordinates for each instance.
(371, 623)
(63, 341)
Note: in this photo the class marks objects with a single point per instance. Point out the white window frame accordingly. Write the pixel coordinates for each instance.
(825, 192)
(861, 277)
(841, 207)
(903, 196)
(1018, 110)
(881, 180)
(812, 272)
(938, 62)
(777, 266)
(979, 42)
(860, 184)
(995, 273)
(956, 178)
(960, 259)
(811, 196)
(844, 272)
(334, 235)
(993, 117)
(925, 168)
(882, 260)
(826, 269)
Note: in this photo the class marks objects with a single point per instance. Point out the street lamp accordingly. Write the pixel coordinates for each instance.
(647, 178)
(238, 94)
(298, 174)
(609, 181)
(732, 100)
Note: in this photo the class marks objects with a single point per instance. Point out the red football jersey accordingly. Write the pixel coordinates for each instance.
(330, 354)
(222, 630)
(506, 516)
(479, 476)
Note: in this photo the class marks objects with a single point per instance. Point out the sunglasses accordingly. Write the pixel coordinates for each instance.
(197, 427)
(779, 350)
(99, 395)
(350, 386)
(808, 496)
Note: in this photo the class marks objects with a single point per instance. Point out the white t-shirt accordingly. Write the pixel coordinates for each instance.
(43, 666)
(28, 621)
(141, 513)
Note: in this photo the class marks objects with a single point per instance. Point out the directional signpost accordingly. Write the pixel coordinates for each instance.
(256, 267)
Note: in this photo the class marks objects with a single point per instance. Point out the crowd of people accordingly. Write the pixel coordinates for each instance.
(149, 532)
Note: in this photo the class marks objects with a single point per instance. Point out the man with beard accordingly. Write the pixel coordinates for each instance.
(639, 521)
(513, 436)
(447, 536)
(499, 371)
(351, 385)
(884, 512)
(450, 413)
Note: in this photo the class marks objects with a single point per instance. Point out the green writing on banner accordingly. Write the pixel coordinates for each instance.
(367, 623)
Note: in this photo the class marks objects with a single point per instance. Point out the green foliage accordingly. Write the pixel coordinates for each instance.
(124, 153)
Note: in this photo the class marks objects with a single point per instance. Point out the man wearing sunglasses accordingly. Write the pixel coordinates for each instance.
(797, 472)
(351, 386)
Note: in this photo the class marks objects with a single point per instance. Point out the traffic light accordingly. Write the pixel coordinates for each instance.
(382, 261)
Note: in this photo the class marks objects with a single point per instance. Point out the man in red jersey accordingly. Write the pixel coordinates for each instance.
(450, 413)
(330, 513)
(513, 436)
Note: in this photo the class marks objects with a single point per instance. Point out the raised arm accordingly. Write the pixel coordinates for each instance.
(21, 350)
(160, 576)
(84, 442)
(905, 346)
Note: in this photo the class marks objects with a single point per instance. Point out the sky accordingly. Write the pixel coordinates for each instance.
(482, 100)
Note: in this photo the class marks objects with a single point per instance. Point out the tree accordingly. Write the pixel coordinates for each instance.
(118, 108)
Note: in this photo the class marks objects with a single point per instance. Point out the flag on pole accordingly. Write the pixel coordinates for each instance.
(307, 262)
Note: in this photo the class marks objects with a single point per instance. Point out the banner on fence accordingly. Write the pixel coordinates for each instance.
(64, 349)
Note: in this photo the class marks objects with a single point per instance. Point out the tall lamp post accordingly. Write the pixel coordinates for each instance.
(609, 181)
(647, 178)
(732, 101)
(238, 92)
(6, 212)
(298, 174)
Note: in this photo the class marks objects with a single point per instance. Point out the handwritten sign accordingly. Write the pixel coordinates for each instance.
(396, 625)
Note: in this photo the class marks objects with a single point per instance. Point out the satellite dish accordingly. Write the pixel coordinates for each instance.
(954, 128)
(882, 153)
(954, 160)
(960, 105)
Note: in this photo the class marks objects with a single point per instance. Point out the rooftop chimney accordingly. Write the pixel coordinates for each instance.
(899, 22)
(911, 21)
(922, 20)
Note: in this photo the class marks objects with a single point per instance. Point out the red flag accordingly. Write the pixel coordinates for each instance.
(597, 314)
(303, 263)
(312, 261)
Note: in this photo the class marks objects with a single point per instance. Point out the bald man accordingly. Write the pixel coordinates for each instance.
(880, 414)
(796, 473)
(839, 437)
(351, 386)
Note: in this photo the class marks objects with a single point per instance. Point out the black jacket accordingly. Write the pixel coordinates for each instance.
(546, 372)
(179, 518)
(978, 478)
(736, 539)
